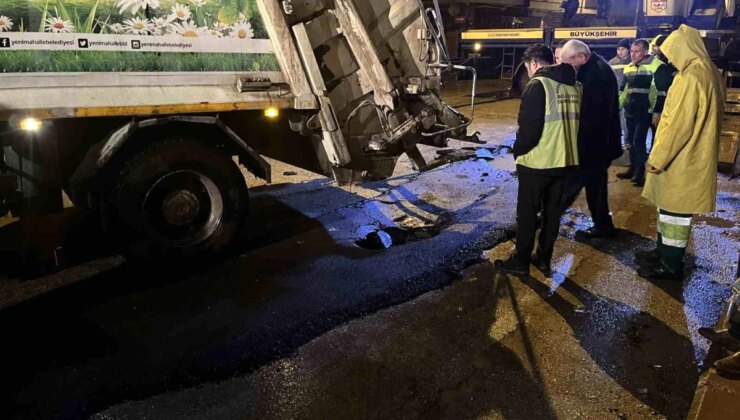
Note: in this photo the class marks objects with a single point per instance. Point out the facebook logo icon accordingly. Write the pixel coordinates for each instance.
(4, 42)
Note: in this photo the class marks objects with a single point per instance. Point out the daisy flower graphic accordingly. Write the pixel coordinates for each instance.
(242, 30)
(188, 29)
(6, 23)
(138, 26)
(180, 12)
(160, 25)
(117, 28)
(215, 33)
(57, 25)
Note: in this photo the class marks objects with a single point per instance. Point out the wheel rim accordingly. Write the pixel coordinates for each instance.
(183, 208)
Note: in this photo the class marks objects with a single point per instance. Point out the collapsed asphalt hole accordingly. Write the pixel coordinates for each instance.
(409, 230)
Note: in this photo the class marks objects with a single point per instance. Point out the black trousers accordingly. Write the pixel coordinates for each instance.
(594, 180)
(538, 192)
(637, 131)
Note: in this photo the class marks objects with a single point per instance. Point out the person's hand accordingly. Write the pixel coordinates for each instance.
(656, 120)
(653, 170)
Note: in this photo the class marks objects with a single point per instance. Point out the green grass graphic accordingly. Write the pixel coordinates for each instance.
(104, 61)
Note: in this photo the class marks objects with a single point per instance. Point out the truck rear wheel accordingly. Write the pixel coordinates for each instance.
(180, 197)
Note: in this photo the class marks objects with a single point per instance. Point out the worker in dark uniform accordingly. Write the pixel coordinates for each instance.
(599, 136)
(643, 93)
(546, 152)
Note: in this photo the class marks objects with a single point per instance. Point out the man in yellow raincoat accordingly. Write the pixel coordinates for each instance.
(682, 167)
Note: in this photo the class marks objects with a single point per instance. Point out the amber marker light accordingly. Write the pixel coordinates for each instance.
(30, 124)
(272, 112)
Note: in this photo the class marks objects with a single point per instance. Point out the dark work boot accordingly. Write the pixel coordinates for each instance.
(512, 265)
(659, 271)
(628, 174)
(647, 257)
(721, 337)
(594, 233)
(729, 365)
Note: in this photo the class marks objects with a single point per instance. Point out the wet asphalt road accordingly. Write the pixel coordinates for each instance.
(593, 342)
(299, 302)
(130, 332)
(107, 331)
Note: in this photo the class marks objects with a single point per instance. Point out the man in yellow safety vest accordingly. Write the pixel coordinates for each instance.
(546, 152)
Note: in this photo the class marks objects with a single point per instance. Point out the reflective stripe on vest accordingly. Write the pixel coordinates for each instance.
(646, 68)
(558, 145)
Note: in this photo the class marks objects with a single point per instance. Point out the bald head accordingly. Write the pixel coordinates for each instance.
(576, 53)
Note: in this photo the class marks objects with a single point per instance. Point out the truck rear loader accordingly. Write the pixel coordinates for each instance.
(142, 111)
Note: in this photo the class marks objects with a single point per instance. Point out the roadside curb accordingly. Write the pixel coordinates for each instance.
(716, 397)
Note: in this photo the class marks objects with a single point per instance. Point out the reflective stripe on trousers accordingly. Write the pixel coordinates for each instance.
(674, 231)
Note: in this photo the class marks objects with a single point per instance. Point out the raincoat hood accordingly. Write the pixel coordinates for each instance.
(684, 46)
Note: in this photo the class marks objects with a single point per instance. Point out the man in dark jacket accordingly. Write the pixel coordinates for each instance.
(546, 151)
(599, 136)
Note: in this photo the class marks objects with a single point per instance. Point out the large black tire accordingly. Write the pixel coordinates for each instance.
(179, 197)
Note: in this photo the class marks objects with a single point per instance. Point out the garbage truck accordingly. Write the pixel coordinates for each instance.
(143, 111)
